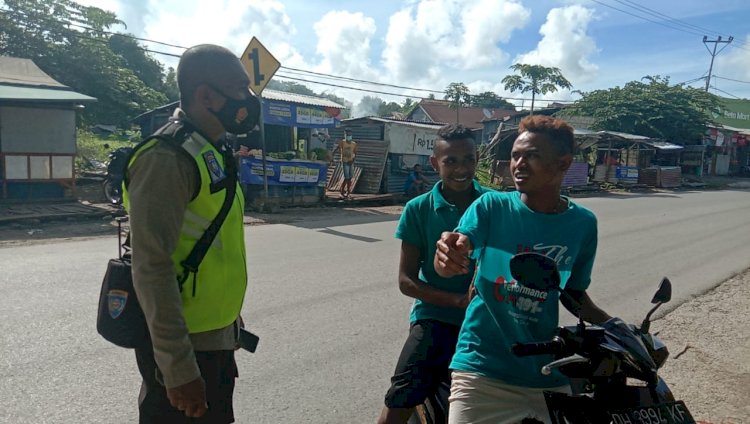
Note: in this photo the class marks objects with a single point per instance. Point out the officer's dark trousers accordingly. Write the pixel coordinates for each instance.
(219, 371)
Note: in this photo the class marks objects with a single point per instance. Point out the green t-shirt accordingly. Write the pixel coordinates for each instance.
(504, 311)
(423, 220)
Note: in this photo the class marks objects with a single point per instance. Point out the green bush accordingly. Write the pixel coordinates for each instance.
(91, 149)
(483, 176)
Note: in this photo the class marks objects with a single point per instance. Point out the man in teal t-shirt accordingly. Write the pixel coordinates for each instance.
(440, 303)
(490, 384)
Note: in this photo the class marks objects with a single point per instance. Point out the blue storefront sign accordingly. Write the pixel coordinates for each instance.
(627, 173)
(283, 172)
(301, 116)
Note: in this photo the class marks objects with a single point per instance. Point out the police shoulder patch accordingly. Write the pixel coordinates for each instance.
(116, 301)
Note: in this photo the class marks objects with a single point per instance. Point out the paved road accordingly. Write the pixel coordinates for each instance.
(323, 298)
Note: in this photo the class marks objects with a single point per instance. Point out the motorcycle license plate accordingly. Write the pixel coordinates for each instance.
(661, 413)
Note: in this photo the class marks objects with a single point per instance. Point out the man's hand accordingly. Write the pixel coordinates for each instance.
(452, 255)
(190, 398)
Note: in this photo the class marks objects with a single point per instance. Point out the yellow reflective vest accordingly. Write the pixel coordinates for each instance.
(212, 297)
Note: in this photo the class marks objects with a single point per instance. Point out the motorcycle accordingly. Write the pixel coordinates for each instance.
(434, 409)
(112, 184)
(612, 368)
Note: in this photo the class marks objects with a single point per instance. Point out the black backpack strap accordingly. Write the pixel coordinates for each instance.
(194, 259)
(176, 132)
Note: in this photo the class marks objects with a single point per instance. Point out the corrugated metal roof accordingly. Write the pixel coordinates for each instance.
(14, 70)
(663, 145)
(420, 124)
(625, 135)
(440, 111)
(35, 94)
(299, 99)
(745, 131)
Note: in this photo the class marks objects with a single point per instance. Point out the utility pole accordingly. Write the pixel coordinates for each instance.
(714, 53)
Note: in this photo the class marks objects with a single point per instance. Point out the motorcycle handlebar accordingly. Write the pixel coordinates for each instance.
(552, 347)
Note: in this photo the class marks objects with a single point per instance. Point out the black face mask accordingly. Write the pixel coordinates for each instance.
(238, 116)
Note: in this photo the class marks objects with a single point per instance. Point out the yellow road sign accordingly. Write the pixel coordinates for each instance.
(259, 64)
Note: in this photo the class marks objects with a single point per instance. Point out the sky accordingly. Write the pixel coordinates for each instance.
(427, 44)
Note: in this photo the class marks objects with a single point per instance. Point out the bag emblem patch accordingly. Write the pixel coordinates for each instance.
(116, 301)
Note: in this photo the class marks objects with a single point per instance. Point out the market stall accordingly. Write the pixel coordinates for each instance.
(295, 127)
(623, 158)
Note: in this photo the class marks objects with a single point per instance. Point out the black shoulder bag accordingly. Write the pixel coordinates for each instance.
(120, 319)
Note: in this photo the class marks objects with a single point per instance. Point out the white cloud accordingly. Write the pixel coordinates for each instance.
(422, 42)
(565, 44)
(344, 44)
(736, 61)
(487, 23)
(231, 23)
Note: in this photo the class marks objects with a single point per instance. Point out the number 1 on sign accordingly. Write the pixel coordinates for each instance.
(256, 66)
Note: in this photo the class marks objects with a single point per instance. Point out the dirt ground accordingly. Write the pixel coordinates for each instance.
(709, 341)
(708, 337)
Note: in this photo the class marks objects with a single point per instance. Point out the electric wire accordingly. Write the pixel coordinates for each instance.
(660, 15)
(720, 90)
(731, 79)
(686, 28)
(296, 72)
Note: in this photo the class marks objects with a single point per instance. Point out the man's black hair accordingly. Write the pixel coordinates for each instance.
(453, 132)
(200, 64)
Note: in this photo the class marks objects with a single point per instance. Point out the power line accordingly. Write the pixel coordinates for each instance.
(329, 76)
(49, 18)
(341, 86)
(728, 94)
(686, 28)
(647, 19)
(692, 80)
(730, 79)
(402, 95)
(660, 15)
(714, 53)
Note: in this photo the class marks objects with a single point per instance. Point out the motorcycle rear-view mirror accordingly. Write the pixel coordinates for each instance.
(535, 270)
(664, 293)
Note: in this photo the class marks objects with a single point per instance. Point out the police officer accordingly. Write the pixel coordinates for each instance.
(175, 188)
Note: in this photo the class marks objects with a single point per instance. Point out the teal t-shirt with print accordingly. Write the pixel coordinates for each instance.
(504, 312)
(423, 220)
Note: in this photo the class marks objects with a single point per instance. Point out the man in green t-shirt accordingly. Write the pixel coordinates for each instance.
(439, 303)
(489, 384)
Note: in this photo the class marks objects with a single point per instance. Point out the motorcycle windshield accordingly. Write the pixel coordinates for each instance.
(622, 339)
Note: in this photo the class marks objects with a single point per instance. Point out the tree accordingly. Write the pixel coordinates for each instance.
(536, 79)
(491, 100)
(387, 109)
(345, 113)
(408, 106)
(170, 85)
(145, 67)
(458, 94)
(650, 107)
(367, 106)
(290, 87)
(72, 44)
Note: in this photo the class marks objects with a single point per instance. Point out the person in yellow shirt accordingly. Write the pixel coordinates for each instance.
(348, 149)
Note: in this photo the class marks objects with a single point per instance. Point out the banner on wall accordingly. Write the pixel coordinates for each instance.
(283, 172)
(301, 116)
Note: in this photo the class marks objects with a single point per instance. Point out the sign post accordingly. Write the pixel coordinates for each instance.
(260, 66)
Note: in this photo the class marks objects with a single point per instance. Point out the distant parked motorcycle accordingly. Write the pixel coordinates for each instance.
(112, 185)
